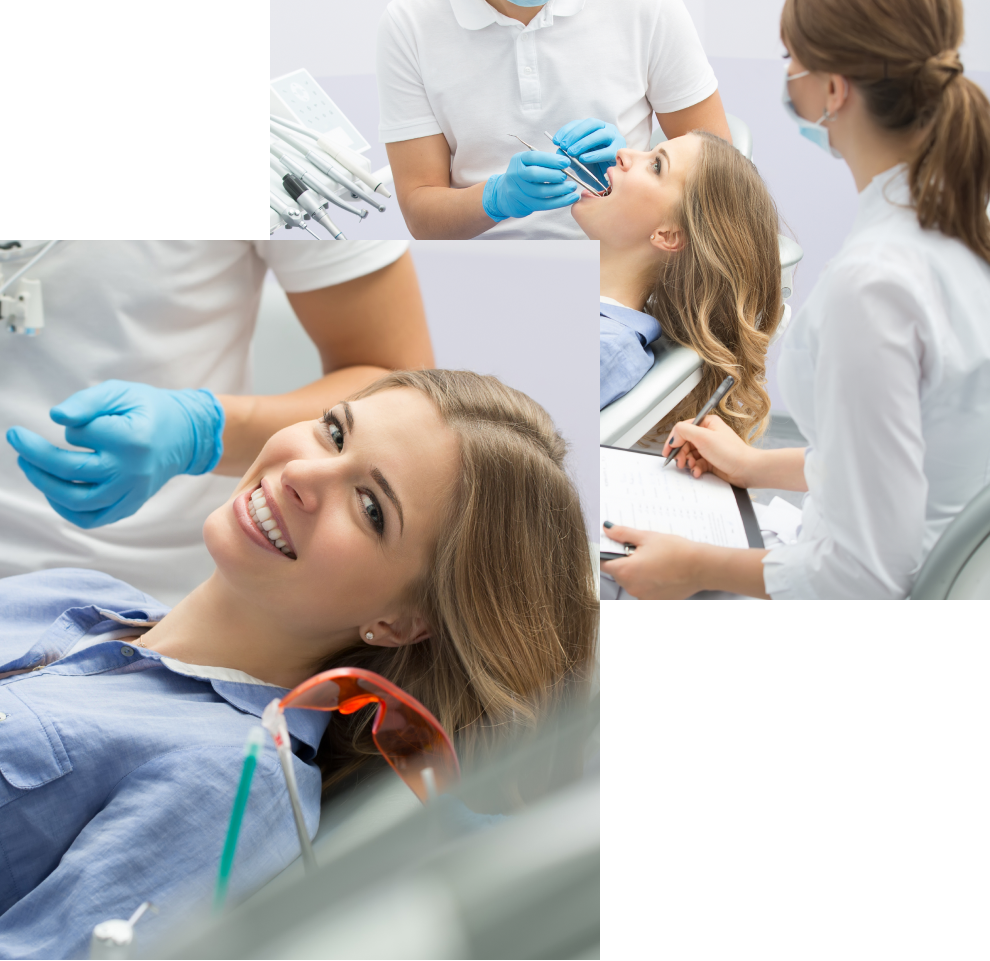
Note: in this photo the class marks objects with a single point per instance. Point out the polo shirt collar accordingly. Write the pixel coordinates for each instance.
(478, 14)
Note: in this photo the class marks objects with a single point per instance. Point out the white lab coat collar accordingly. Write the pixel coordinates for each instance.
(478, 14)
(882, 195)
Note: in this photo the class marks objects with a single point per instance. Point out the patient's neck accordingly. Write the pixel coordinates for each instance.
(215, 627)
(627, 275)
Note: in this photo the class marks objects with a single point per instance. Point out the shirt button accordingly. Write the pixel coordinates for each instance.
(528, 70)
(3, 717)
(127, 651)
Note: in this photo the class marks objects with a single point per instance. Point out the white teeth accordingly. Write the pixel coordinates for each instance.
(274, 534)
(260, 503)
(267, 525)
(280, 543)
(263, 519)
(264, 513)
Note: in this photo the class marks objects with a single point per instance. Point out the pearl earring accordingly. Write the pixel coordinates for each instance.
(369, 636)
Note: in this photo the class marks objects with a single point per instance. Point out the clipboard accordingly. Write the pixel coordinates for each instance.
(744, 505)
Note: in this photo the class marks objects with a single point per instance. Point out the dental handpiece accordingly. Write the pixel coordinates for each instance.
(313, 180)
(316, 158)
(565, 171)
(310, 201)
(575, 161)
(292, 215)
(347, 158)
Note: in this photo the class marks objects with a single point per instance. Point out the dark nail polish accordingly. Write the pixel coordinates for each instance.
(608, 524)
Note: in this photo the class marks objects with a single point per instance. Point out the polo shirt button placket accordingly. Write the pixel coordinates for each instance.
(529, 75)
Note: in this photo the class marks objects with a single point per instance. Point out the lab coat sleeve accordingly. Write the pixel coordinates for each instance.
(679, 72)
(866, 473)
(623, 360)
(302, 267)
(159, 838)
(404, 107)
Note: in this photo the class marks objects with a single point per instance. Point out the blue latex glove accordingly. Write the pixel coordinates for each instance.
(593, 142)
(534, 180)
(140, 437)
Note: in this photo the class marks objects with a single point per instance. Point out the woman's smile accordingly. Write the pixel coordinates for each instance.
(254, 509)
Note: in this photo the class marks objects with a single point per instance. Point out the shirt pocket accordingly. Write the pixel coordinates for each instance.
(31, 751)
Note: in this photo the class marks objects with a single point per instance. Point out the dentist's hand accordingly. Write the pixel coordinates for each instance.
(534, 180)
(140, 436)
(713, 446)
(593, 142)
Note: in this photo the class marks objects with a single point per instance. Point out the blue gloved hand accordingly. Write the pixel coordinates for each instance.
(140, 437)
(534, 180)
(593, 142)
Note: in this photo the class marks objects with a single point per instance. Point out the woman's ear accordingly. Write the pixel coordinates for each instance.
(395, 632)
(668, 239)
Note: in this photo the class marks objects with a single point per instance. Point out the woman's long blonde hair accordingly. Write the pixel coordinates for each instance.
(720, 294)
(903, 56)
(508, 593)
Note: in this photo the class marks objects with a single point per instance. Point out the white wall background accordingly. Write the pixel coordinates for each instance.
(335, 41)
(525, 311)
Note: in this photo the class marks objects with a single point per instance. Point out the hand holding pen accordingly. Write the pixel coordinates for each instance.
(716, 398)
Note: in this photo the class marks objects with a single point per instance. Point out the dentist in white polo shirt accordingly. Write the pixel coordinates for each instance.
(455, 77)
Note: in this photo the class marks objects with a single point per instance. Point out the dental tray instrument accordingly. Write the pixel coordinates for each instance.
(309, 200)
(566, 173)
(348, 159)
(312, 179)
(309, 152)
(606, 189)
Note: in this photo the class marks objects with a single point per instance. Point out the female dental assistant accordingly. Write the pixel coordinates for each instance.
(146, 353)
(456, 77)
(886, 369)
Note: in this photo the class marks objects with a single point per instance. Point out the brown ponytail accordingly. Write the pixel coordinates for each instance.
(902, 56)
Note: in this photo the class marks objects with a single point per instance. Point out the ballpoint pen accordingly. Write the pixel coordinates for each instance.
(566, 173)
(720, 392)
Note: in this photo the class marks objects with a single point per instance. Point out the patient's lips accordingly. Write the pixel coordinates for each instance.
(268, 519)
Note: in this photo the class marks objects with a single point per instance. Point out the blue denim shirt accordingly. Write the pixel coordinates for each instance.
(625, 358)
(118, 769)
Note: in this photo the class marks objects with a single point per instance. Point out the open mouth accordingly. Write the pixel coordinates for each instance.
(265, 521)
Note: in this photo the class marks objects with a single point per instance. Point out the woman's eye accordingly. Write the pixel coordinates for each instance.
(334, 431)
(656, 165)
(374, 511)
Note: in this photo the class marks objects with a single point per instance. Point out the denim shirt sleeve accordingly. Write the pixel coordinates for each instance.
(624, 359)
(159, 839)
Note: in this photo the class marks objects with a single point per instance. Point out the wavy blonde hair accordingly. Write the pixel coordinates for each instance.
(508, 592)
(720, 294)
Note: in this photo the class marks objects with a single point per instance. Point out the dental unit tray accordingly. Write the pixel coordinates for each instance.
(301, 102)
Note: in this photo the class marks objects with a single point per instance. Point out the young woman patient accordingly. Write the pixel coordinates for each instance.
(688, 239)
(426, 530)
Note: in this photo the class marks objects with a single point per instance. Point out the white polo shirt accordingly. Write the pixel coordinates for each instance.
(461, 68)
(172, 314)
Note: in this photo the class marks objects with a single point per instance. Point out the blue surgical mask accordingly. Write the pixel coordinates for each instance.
(529, 3)
(816, 132)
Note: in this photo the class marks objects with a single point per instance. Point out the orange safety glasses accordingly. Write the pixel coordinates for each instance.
(409, 737)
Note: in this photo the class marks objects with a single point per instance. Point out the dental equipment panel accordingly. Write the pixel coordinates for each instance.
(321, 149)
(21, 306)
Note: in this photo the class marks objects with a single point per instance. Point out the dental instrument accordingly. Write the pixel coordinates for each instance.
(312, 203)
(292, 216)
(347, 158)
(253, 747)
(720, 392)
(566, 173)
(316, 157)
(23, 311)
(576, 162)
(313, 180)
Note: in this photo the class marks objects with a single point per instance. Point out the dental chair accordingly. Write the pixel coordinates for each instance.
(958, 567)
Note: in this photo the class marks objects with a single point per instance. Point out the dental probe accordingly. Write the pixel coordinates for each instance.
(574, 160)
(309, 200)
(565, 171)
(314, 180)
(315, 157)
(346, 157)
(293, 216)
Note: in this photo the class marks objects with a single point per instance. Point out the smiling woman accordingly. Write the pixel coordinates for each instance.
(425, 529)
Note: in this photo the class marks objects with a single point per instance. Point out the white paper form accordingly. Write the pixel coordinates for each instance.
(637, 492)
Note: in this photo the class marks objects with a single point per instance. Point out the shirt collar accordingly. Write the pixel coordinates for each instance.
(646, 325)
(478, 14)
(884, 193)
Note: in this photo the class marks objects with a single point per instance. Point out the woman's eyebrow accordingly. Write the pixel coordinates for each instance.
(348, 416)
(663, 153)
(389, 493)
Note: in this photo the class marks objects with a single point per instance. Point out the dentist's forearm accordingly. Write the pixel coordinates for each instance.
(251, 420)
(445, 213)
(731, 569)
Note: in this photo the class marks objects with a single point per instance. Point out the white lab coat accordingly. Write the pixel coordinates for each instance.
(172, 314)
(886, 371)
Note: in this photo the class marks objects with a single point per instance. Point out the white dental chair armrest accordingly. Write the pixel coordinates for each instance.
(676, 371)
